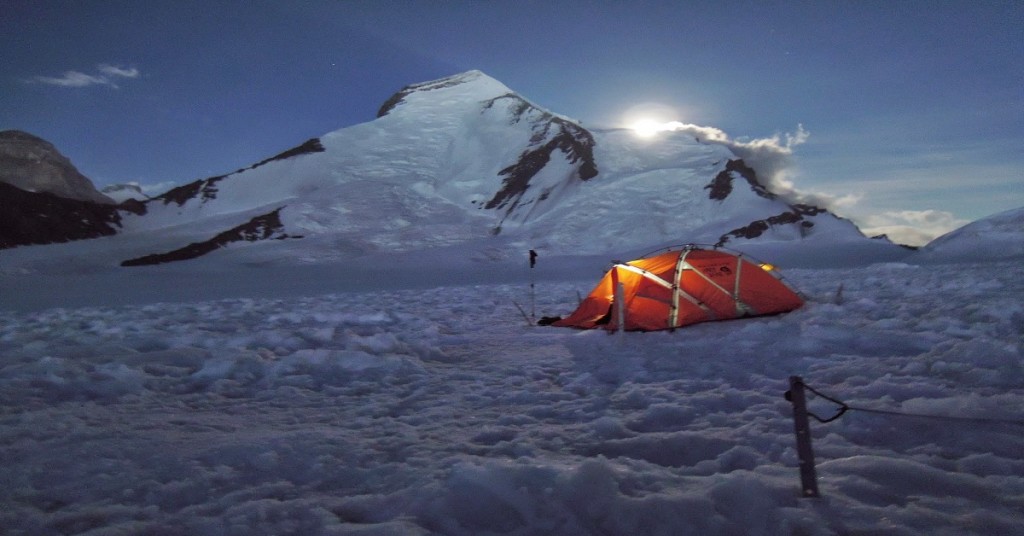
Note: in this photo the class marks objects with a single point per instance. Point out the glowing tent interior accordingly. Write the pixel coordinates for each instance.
(681, 287)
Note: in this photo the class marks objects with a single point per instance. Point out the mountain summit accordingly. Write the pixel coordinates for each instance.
(466, 159)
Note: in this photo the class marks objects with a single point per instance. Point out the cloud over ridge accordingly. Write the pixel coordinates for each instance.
(771, 157)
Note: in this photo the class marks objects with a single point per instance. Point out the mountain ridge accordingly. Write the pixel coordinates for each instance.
(464, 159)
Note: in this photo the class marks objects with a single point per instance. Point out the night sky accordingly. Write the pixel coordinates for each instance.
(914, 110)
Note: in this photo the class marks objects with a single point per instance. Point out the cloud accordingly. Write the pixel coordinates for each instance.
(113, 70)
(771, 158)
(72, 79)
(106, 75)
(911, 227)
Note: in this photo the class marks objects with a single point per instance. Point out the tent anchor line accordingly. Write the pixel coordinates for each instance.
(523, 312)
(844, 407)
(801, 426)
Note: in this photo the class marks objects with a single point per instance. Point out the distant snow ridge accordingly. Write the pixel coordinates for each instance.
(1000, 236)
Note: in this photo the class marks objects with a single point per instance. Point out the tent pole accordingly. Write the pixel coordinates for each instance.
(619, 300)
(618, 293)
(620, 307)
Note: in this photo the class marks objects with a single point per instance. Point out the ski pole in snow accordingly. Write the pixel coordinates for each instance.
(802, 427)
(533, 301)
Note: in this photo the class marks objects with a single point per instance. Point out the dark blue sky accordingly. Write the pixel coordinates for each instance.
(915, 110)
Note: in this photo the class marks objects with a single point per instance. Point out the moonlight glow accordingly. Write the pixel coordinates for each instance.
(646, 128)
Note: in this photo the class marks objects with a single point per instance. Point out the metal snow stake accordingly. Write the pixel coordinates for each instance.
(802, 428)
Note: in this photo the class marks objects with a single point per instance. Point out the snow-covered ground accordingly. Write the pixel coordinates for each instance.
(439, 410)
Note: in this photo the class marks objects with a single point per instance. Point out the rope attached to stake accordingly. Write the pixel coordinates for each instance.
(795, 394)
(844, 407)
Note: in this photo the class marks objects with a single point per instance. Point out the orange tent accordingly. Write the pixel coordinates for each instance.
(681, 287)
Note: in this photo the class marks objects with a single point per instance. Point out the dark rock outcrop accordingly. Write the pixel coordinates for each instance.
(721, 186)
(264, 227)
(549, 134)
(311, 145)
(35, 218)
(798, 216)
(203, 189)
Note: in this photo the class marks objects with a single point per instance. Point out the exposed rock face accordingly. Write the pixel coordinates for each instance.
(35, 165)
(550, 133)
(797, 216)
(265, 227)
(721, 186)
(28, 218)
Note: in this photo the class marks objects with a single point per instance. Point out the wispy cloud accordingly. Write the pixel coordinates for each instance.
(771, 157)
(105, 75)
(120, 72)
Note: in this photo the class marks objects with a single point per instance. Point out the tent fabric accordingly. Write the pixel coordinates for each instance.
(682, 287)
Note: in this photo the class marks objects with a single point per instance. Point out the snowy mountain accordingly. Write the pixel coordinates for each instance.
(35, 165)
(123, 192)
(466, 160)
(1000, 236)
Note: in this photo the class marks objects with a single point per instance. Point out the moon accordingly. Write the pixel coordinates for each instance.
(646, 128)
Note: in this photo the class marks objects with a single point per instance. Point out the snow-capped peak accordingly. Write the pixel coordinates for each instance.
(470, 86)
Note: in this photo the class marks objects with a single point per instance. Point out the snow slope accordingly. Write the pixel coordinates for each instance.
(440, 411)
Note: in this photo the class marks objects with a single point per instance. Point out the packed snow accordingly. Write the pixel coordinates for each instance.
(436, 408)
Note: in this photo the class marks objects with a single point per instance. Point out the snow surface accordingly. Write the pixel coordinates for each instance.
(404, 405)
